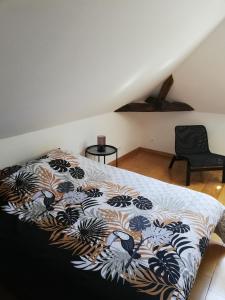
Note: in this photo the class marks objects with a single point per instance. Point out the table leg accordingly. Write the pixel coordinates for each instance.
(98, 158)
(104, 159)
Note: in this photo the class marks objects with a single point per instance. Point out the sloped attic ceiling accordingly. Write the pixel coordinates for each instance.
(66, 60)
(200, 79)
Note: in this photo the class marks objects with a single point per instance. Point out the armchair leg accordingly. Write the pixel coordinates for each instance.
(188, 174)
(172, 161)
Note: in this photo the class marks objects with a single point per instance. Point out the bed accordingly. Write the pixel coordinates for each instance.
(72, 228)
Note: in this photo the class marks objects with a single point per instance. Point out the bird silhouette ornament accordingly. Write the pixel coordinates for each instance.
(126, 240)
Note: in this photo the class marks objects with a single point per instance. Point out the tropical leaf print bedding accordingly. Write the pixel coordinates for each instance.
(143, 237)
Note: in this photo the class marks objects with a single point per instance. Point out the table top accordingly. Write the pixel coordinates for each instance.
(107, 151)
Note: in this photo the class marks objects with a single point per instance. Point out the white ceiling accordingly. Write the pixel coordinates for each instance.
(66, 60)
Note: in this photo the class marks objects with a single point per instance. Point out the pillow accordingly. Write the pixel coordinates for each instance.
(56, 172)
(7, 171)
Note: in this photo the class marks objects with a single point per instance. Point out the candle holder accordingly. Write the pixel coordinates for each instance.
(101, 143)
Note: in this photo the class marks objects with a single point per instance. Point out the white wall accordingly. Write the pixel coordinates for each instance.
(159, 129)
(64, 60)
(122, 131)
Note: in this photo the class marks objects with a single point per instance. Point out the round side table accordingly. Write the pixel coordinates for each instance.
(108, 150)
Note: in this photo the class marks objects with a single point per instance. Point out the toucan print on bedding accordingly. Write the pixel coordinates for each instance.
(107, 227)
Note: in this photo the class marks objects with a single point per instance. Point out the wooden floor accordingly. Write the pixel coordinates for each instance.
(155, 165)
(210, 282)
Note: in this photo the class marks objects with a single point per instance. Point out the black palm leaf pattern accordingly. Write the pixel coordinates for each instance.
(180, 244)
(165, 266)
(142, 203)
(139, 223)
(59, 165)
(120, 201)
(93, 193)
(67, 217)
(89, 203)
(158, 224)
(77, 173)
(203, 243)
(65, 187)
(9, 171)
(23, 183)
(92, 230)
(178, 227)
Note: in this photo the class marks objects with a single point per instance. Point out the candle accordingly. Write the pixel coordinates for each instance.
(101, 142)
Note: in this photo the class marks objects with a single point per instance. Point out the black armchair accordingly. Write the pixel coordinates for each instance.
(191, 144)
